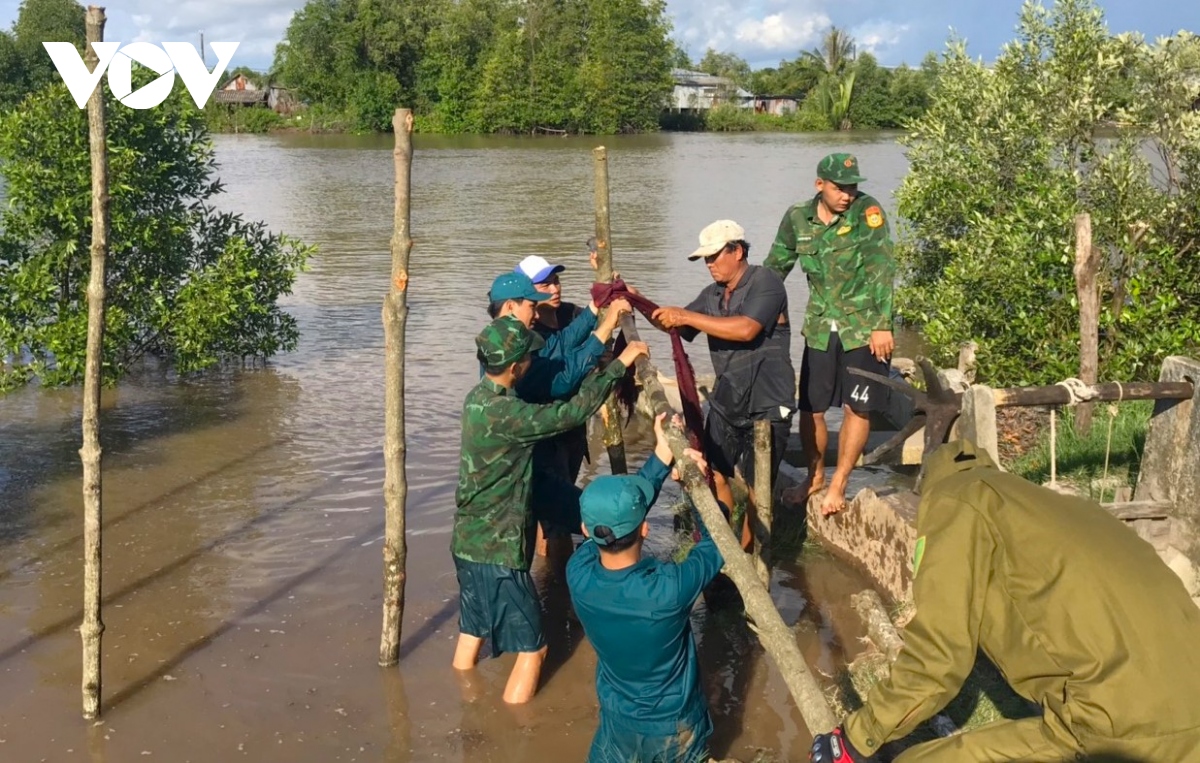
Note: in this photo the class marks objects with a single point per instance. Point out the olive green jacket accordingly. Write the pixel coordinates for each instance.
(850, 269)
(1078, 613)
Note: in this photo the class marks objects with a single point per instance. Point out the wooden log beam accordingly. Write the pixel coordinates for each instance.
(1105, 392)
(610, 414)
(773, 633)
(92, 627)
(1087, 265)
(763, 514)
(395, 316)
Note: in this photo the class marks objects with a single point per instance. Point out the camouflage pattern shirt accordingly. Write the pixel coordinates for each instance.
(493, 523)
(849, 265)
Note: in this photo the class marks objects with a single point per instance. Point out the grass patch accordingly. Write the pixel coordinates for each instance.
(1081, 457)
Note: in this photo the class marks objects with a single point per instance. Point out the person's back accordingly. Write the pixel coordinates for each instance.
(635, 612)
(638, 621)
(1107, 624)
(1078, 613)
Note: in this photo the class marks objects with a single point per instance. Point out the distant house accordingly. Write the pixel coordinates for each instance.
(700, 91)
(775, 104)
(240, 91)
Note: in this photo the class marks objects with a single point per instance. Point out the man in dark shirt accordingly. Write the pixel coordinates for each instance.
(635, 611)
(745, 314)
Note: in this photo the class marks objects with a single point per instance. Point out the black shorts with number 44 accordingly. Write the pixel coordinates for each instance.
(826, 381)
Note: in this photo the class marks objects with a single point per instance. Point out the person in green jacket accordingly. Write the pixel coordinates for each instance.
(1078, 613)
(493, 524)
(840, 239)
(636, 612)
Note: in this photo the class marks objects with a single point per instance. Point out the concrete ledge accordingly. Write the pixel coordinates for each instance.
(876, 533)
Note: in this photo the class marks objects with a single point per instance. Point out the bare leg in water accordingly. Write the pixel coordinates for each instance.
(523, 681)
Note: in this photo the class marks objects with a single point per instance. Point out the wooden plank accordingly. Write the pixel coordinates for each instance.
(1056, 394)
(1132, 510)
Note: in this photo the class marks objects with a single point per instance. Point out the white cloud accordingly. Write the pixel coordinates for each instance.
(879, 36)
(783, 33)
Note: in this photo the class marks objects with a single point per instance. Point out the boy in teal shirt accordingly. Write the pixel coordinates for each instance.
(635, 612)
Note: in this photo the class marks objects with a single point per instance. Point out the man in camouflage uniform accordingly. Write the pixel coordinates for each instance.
(1079, 614)
(493, 524)
(840, 238)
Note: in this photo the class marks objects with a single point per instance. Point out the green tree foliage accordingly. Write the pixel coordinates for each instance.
(1005, 158)
(835, 54)
(185, 282)
(12, 72)
(484, 65)
(41, 21)
(728, 65)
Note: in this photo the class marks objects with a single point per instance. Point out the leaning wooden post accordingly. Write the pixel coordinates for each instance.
(1087, 263)
(614, 441)
(93, 627)
(773, 633)
(395, 314)
(762, 501)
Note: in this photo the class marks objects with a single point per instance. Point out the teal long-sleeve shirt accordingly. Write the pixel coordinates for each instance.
(638, 621)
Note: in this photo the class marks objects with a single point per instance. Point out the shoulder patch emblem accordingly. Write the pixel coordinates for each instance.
(918, 554)
(874, 217)
(843, 230)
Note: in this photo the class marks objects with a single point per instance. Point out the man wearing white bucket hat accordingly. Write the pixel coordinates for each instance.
(744, 312)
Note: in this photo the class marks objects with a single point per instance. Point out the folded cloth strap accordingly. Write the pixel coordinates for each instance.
(685, 376)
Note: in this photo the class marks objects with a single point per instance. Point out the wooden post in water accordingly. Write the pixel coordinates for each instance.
(614, 441)
(1087, 263)
(762, 501)
(395, 314)
(93, 627)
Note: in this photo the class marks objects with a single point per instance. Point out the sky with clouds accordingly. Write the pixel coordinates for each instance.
(761, 31)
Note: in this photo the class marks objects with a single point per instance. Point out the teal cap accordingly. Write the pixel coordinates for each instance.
(618, 502)
(514, 285)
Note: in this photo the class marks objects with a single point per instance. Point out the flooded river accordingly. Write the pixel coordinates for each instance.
(243, 508)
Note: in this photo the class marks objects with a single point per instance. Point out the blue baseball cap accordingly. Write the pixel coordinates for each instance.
(537, 268)
(514, 285)
(618, 502)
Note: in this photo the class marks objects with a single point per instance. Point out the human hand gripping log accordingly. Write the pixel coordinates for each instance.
(777, 639)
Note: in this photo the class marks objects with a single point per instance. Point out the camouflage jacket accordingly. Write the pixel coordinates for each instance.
(849, 266)
(493, 523)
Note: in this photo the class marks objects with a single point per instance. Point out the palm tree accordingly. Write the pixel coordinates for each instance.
(835, 52)
(833, 99)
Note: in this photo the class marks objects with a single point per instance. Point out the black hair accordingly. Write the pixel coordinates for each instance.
(491, 370)
(496, 305)
(745, 247)
(614, 545)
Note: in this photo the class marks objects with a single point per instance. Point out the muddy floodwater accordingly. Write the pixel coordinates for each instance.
(243, 507)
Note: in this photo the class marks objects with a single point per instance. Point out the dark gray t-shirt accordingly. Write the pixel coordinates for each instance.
(756, 378)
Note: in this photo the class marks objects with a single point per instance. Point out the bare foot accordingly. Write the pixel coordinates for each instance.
(799, 494)
(835, 497)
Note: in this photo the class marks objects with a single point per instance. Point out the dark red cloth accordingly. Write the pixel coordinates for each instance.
(685, 376)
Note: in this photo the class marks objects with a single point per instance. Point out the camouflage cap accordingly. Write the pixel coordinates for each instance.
(506, 340)
(841, 169)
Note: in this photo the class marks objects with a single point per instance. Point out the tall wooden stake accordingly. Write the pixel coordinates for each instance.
(614, 441)
(93, 627)
(762, 501)
(395, 314)
(1086, 264)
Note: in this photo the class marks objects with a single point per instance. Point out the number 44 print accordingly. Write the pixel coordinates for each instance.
(860, 393)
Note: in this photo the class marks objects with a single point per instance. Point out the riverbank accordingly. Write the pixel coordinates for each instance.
(252, 120)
